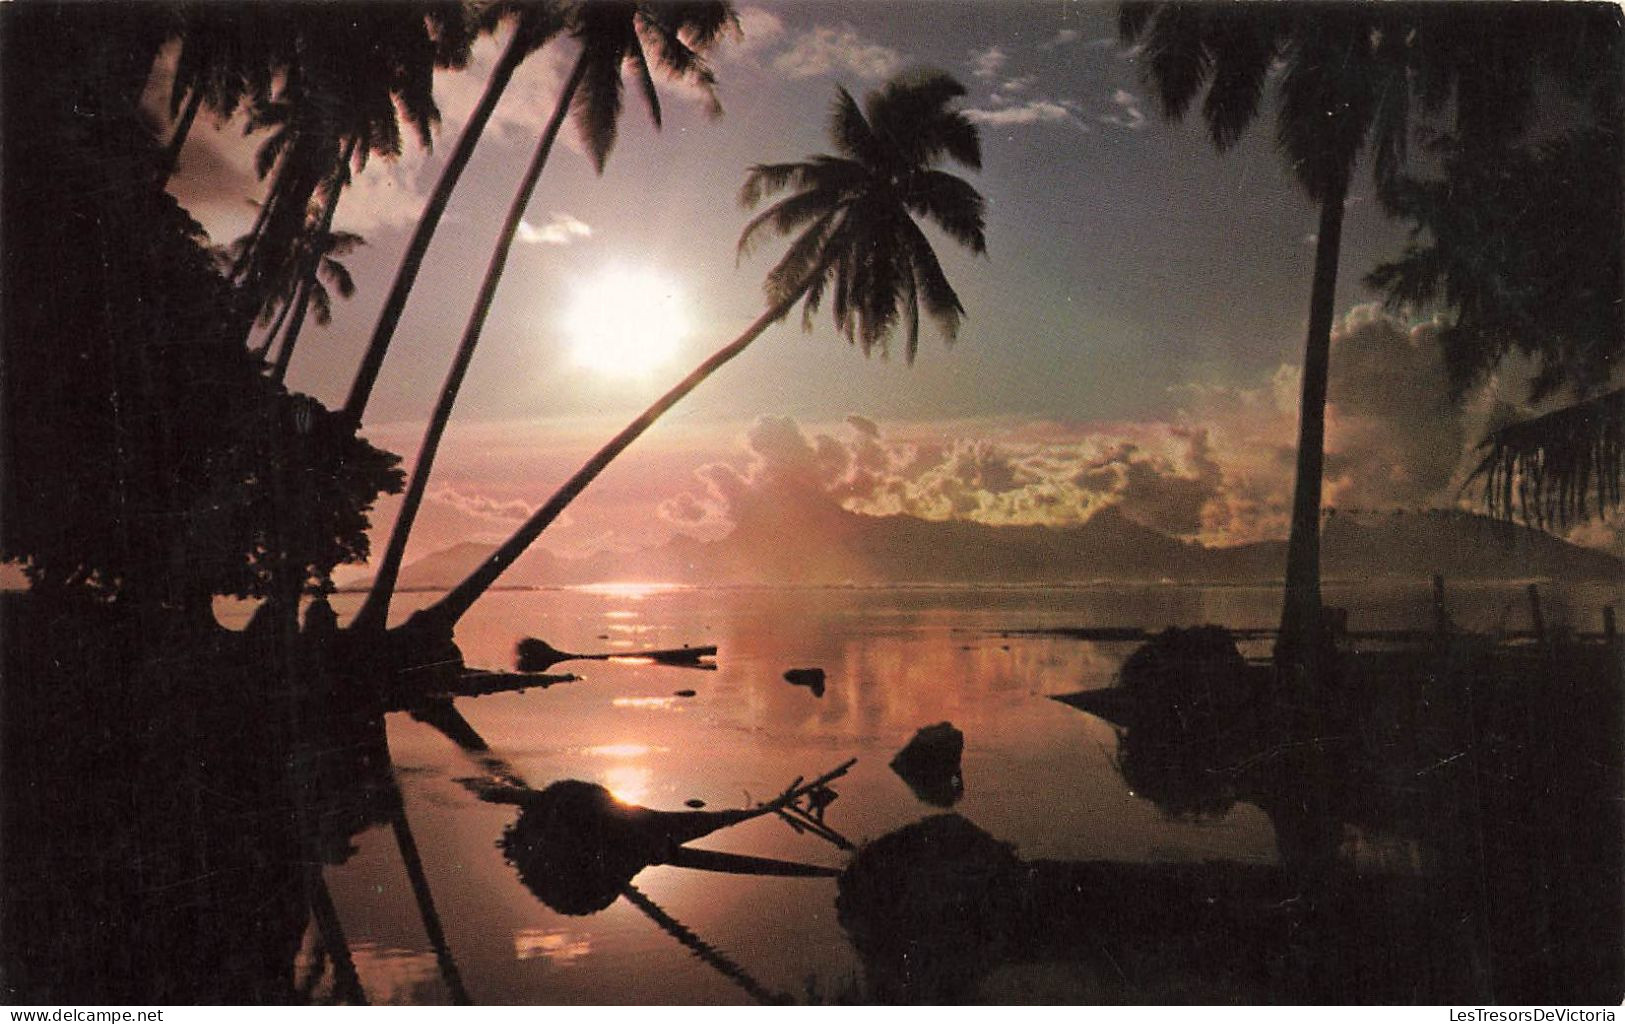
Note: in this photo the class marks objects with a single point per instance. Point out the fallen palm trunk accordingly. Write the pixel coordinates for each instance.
(538, 655)
(577, 847)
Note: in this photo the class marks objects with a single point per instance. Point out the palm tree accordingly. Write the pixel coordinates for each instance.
(228, 57)
(1349, 76)
(305, 283)
(319, 259)
(1341, 82)
(357, 70)
(534, 23)
(858, 244)
(611, 36)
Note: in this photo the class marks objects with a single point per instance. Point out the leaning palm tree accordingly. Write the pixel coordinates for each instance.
(858, 245)
(532, 24)
(611, 35)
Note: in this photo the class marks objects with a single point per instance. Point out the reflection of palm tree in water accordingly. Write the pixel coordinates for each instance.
(356, 789)
(702, 949)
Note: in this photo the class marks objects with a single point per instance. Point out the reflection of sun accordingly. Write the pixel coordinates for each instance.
(631, 590)
(628, 783)
(623, 322)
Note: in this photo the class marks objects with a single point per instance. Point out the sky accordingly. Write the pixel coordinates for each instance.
(1132, 335)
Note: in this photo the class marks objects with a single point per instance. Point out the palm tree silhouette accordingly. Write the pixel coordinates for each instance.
(1348, 76)
(611, 36)
(318, 256)
(319, 247)
(858, 243)
(533, 23)
(356, 70)
(1341, 82)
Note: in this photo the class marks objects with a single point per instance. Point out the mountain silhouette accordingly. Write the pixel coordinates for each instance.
(835, 546)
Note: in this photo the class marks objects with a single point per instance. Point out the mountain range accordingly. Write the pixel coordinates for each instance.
(837, 547)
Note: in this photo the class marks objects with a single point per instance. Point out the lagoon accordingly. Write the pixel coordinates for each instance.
(1037, 774)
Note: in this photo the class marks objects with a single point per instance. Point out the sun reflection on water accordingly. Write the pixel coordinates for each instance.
(555, 944)
(632, 590)
(655, 703)
(628, 783)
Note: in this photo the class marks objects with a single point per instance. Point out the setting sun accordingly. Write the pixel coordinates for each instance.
(625, 322)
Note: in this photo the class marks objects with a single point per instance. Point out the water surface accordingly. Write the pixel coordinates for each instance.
(1037, 774)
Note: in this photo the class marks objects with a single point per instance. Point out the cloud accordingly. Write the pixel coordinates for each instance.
(759, 28)
(1031, 112)
(987, 63)
(1128, 114)
(480, 506)
(1220, 470)
(793, 480)
(1064, 37)
(1021, 83)
(825, 50)
(560, 229)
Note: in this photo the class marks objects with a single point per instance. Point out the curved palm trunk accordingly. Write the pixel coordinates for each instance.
(1300, 645)
(296, 306)
(375, 612)
(240, 264)
(444, 614)
(183, 127)
(264, 348)
(390, 316)
(308, 278)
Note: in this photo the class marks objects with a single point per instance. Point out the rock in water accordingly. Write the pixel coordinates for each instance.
(930, 764)
(811, 678)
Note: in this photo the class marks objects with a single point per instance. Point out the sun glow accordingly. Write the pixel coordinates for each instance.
(625, 322)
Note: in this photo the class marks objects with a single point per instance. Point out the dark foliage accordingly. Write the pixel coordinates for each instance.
(146, 455)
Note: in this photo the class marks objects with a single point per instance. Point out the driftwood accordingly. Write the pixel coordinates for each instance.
(577, 847)
(538, 655)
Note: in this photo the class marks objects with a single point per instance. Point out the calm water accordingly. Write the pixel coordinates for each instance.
(1037, 773)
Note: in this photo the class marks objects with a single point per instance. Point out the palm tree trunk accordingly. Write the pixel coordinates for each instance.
(444, 613)
(390, 317)
(264, 348)
(308, 277)
(240, 264)
(1300, 644)
(297, 305)
(375, 612)
(183, 127)
(413, 861)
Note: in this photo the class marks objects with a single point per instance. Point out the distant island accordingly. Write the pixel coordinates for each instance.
(848, 547)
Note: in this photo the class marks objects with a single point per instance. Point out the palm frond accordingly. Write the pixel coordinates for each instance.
(651, 96)
(851, 132)
(799, 260)
(762, 180)
(339, 274)
(1244, 41)
(787, 215)
(1177, 59)
(953, 204)
(1557, 469)
(597, 102)
(936, 294)
(912, 116)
